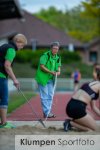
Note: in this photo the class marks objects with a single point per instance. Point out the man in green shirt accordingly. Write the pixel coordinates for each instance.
(49, 66)
(7, 55)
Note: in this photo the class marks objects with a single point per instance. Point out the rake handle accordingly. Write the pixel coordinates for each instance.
(31, 108)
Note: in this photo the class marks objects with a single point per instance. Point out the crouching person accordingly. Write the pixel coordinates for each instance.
(76, 107)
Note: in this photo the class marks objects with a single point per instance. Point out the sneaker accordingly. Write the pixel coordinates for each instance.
(67, 125)
(50, 115)
(7, 125)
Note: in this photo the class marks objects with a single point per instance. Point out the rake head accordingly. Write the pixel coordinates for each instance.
(42, 123)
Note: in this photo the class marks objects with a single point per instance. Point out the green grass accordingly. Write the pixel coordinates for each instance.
(16, 100)
(23, 70)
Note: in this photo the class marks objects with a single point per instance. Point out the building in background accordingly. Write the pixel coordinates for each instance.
(91, 53)
(40, 34)
(10, 9)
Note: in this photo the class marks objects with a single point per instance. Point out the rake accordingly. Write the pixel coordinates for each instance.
(40, 120)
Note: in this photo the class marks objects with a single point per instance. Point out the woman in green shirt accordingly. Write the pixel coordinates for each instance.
(7, 55)
(49, 65)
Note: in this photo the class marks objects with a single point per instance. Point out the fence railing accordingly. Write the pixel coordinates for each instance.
(30, 84)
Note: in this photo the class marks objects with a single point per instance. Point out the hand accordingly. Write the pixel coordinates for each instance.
(54, 73)
(16, 84)
(58, 73)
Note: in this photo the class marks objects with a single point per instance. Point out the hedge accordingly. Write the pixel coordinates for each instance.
(33, 57)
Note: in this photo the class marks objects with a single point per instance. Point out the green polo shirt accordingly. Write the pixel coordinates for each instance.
(10, 55)
(51, 63)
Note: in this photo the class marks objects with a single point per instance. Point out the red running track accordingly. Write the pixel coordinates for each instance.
(24, 113)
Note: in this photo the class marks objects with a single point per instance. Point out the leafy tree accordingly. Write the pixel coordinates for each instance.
(81, 22)
(92, 10)
(53, 17)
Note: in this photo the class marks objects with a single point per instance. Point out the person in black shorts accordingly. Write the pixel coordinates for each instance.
(95, 67)
(76, 76)
(76, 107)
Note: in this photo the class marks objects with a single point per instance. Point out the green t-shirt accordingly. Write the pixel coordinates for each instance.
(10, 55)
(52, 64)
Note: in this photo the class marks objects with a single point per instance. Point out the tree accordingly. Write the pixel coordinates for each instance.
(81, 22)
(92, 10)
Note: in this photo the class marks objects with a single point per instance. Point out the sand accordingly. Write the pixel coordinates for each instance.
(7, 136)
(26, 129)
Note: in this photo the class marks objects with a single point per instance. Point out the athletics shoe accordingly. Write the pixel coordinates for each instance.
(7, 125)
(50, 115)
(67, 125)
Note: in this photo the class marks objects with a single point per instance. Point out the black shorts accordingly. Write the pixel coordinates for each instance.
(76, 81)
(76, 109)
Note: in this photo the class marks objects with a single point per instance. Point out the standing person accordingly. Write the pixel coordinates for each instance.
(7, 55)
(95, 67)
(49, 65)
(76, 107)
(76, 75)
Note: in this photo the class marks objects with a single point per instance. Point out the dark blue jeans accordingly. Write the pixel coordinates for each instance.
(3, 93)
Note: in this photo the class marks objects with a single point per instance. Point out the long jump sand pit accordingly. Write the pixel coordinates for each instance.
(34, 127)
(26, 129)
(7, 136)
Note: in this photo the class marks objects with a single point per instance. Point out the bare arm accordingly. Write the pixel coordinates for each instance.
(58, 72)
(43, 68)
(95, 108)
(72, 75)
(9, 71)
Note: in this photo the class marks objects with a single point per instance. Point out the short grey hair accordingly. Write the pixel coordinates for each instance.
(56, 43)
